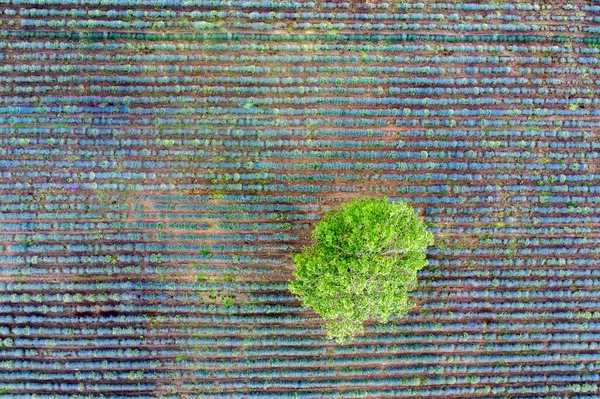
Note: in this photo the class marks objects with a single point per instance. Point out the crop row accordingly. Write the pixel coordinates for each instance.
(184, 49)
(293, 37)
(235, 120)
(391, 101)
(115, 24)
(266, 16)
(466, 7)
(216, 135)
(337, 61)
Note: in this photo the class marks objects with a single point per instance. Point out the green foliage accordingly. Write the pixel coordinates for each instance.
(363, 261)
(228, 302)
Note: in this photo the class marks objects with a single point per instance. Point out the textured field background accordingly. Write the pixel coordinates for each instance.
(160, 160)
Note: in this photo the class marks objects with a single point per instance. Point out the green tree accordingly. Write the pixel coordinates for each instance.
(363, 261)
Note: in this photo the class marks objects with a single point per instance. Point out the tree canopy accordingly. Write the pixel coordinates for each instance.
(363, 261)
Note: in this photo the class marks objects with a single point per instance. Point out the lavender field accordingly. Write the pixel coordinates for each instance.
(161, 161)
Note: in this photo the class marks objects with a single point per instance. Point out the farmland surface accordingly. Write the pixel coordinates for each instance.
(160, 160)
